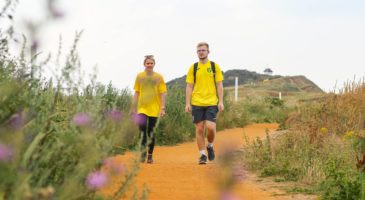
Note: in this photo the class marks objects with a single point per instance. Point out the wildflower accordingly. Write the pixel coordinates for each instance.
(6, 153)
(16, 121)
(115, 115)
(96, 180)
(115, 167)
(81, 119)
(54, 11)
(238, 173)
(228, 196)
(35, 45)
(324, 130)
(139, 119)
(348, 135)
(119, 168)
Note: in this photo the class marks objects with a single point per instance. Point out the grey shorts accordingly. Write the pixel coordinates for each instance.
(202, 113)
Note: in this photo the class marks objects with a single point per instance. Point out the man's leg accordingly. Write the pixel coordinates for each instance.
(200, 140)
(198, 113)
(211, 128)
(199, 133)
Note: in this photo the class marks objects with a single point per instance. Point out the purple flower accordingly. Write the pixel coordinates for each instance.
(238, 173)
(119, 168)
(81, 119)
(16, 121)
(115, 115)
(35, 45)
(96, 180)
(114, 166)
(54, 11)
(108, 162)
(228, 196)
(6, 154)
(139, 119)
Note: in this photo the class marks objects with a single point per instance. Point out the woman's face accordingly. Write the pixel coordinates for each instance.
(149, 64)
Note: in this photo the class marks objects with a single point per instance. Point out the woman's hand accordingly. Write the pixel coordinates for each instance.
(162, 112)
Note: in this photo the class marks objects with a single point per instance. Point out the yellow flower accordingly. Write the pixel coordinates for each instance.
(348, 135)
(324, 130)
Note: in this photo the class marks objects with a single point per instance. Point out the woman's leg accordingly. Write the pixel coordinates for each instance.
(143, 132)
(151, 133)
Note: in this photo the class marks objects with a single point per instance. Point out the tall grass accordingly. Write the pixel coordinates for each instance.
(323, 146)
(56, 134)
(260, 110)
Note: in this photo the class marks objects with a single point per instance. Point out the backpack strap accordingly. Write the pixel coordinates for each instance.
(213, 69)
(195, 69)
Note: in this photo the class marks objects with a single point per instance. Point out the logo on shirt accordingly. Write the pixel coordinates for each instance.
(149, 80)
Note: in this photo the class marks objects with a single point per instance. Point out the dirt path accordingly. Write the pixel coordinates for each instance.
(176, 174)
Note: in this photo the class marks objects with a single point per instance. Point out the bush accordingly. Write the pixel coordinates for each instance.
(176, 126)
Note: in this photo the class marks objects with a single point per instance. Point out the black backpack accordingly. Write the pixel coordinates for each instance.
(196, 69)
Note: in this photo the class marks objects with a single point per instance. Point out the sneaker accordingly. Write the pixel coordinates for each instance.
(143, 157)
(149, 159)
(211, 154)
(203, 159)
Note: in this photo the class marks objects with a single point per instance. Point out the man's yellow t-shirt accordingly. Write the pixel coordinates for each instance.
(150, 88)
(204, 92)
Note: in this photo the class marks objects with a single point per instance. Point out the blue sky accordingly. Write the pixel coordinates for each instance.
(321, 39)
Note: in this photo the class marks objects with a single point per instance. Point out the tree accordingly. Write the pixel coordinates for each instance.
(268, 71)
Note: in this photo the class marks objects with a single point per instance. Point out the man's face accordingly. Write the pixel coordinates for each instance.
(202, 52)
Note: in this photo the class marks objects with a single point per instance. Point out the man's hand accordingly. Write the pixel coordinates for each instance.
(188, 108)
(220, 107)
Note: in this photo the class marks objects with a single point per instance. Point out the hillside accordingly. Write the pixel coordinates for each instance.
(274, 83)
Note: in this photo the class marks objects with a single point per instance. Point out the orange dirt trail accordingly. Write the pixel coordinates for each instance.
(176, 175)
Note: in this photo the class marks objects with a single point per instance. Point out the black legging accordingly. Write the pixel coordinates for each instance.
(147, 128)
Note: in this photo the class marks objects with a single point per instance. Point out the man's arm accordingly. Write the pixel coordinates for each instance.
(220, 96)
(189, 90)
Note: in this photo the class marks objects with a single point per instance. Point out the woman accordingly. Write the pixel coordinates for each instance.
(149, 104)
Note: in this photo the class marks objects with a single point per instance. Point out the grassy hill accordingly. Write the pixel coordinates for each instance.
(244, 77)
(252, 85)
(294, 90)
(277, 82)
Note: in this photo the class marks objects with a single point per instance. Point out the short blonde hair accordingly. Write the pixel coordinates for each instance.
(202, 44)
(149, 57)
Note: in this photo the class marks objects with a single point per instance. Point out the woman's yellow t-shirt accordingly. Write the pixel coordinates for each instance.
(204, 92)
(150, 88)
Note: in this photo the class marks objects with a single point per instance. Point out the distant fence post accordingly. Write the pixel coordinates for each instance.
(236, 89)
(280, 95)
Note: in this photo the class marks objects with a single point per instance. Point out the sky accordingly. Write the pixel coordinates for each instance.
(320, 39)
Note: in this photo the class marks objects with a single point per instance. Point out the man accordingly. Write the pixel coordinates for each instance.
(204, 98)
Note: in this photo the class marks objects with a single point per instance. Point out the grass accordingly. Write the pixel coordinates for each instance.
(323, 146)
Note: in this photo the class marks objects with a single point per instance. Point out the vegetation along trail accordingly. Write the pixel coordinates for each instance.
(176, 175)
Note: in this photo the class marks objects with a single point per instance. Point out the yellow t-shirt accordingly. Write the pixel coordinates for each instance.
(150, 88)
(204, 92)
